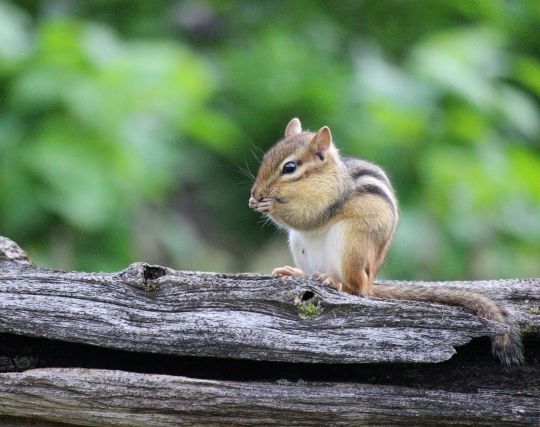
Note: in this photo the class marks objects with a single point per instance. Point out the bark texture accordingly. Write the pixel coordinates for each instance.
(246, 316)
(249, 317)
(97, 397)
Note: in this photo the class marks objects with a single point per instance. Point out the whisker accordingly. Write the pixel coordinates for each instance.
(256, 151)
(251, 175)
(256, 156)
(246, 183)
(265, 220)
(246, 172)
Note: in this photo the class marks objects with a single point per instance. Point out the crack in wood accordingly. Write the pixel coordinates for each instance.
(152, 320)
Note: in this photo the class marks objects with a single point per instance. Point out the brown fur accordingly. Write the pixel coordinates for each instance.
(507, 348)
(299, 200)
(323, 191)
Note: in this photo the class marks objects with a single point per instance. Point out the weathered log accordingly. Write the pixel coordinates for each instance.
(235, 320)
(97, 397)
(247, 316)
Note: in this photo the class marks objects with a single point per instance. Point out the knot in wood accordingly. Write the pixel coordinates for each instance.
(143, 276)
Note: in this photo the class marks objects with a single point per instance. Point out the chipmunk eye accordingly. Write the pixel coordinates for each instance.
(289, 167)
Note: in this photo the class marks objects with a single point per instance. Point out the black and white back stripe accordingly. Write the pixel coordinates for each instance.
(370, 178)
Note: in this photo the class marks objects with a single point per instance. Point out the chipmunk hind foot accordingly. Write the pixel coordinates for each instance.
(287, 271)
(328, 280)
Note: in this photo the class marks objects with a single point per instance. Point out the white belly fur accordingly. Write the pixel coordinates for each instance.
(318, 251)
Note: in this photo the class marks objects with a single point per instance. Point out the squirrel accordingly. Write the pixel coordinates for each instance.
(340, 214)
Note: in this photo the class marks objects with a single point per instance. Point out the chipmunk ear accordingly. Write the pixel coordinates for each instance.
(293, 128)
(322, 141)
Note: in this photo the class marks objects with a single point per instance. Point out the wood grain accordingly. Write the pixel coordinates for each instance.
(242, 316)
(100, 397)
(247, 318)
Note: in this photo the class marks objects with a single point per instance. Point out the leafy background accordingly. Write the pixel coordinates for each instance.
(124, 126)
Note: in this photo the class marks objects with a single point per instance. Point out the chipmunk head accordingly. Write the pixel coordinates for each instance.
(299, 177)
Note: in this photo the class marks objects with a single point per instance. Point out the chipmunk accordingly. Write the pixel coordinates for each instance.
(341, 214)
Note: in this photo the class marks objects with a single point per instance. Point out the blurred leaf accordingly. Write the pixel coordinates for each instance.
(60, 45)
(121, 134)
(39, 88)
(463, 62)
(216, 131)
(528, 72)
(520, 110)
(72, 175)
(15, 38)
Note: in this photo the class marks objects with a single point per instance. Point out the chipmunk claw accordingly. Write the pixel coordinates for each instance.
(328, 280)
(287, 271)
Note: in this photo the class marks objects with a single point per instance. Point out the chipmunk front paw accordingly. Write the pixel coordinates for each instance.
(263, 206)
(287, 271)
(327, 280)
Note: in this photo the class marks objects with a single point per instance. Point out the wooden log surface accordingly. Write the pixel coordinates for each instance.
(101, 397)
(241, 319)
(244, 316)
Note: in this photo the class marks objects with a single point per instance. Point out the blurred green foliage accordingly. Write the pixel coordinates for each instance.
(123, 126)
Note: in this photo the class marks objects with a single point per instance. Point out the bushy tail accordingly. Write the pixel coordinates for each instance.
(507, 348)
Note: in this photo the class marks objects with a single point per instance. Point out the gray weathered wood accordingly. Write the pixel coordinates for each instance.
(99, 397)
(245, 316)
